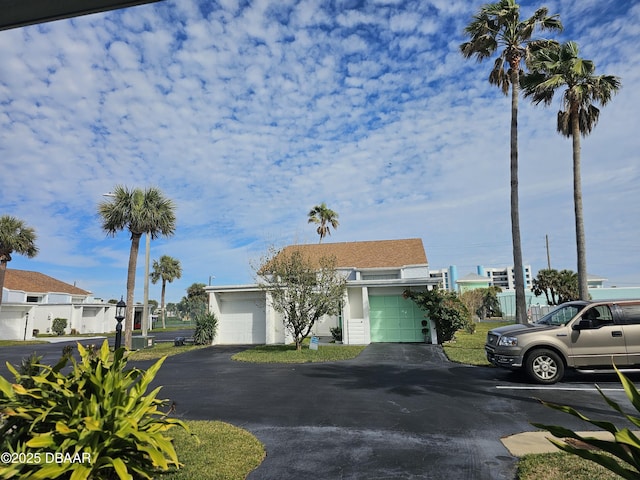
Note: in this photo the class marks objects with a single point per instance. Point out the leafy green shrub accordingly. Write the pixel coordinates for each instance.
(625, 445)
(98, 413)
(58, 325)
(336, 333)
(445, 309)
(206, 328)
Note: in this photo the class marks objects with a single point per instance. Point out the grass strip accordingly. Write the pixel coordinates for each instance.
(468, 348)
(289, 354)
(162, 349)
(221, 452)
(560, 466)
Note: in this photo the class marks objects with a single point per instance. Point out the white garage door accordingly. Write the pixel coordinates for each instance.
(242, 322)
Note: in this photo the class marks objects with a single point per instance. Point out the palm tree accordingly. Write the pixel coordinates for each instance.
(15, 236)
(497, 25)
(555, 67)
(167, 269)
(139, 211)
(323, 216)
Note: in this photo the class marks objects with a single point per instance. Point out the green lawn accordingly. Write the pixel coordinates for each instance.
(13, 343)
(468, 348)
(221, 452)
(162, 349)
(289, 354)
(560, 466)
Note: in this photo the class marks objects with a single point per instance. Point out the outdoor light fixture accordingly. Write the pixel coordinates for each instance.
(120, 313)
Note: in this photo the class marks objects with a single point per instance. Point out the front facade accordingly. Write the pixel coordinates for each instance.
(32, 300)
(373, 308)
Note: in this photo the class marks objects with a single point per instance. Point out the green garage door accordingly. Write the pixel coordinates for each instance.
(395, 319)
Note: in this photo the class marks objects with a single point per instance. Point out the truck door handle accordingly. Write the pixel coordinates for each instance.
(616, 333)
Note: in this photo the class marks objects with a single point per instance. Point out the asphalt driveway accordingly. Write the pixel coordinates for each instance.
(398, 411)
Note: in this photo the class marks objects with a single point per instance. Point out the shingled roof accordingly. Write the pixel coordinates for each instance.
(372, 254)
(35, 282)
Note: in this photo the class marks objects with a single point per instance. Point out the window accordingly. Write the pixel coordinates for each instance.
(630, 314)
(560, 316)
(380, 276)
(33, 299)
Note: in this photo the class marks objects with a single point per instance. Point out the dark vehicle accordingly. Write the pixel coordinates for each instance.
(587, 336)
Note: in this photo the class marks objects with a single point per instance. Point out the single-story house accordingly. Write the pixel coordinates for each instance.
(373, 309)
(32, 300)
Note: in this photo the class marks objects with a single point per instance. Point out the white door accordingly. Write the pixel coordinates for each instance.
(242, 322)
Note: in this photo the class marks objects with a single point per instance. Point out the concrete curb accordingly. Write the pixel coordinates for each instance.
(68, 339)
(528, 443)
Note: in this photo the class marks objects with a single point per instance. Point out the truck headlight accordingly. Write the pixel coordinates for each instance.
(508, 342)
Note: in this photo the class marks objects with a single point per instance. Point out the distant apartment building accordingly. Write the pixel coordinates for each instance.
(502, 277)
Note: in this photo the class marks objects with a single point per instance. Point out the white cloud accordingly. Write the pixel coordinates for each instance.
(248, 115)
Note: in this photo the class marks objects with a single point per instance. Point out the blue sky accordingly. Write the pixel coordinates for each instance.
(249, 113)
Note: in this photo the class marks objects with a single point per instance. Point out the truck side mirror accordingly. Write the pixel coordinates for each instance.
(583, 324)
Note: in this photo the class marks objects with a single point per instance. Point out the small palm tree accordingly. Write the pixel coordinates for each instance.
(167, 269)
(15, 236)
(139, 211)
(555, 67)
(323, 216)
(498, 25)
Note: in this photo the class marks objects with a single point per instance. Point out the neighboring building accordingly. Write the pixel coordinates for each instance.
(472, 281)
(374, 310)
(502, 277)
(595, 281)
(31, 300)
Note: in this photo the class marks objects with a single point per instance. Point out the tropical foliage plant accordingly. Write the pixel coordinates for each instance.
(100, 413)
(621, 454)
(557, 286)
(553, 67)
(498, 26)
(206, 328)
(445, 309)
(15, 236)
(138, 211)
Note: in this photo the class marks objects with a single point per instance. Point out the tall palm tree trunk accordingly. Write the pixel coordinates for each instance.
(131, 285)
(3, 270)
(164, 286)
(583, 286)
(521, 305)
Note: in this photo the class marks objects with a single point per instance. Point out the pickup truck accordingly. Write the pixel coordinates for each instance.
(583, 335)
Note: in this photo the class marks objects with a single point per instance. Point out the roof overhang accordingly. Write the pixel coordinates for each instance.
(20, 13)
(395, 282)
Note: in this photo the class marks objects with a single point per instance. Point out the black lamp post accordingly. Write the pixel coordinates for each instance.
(120, 313)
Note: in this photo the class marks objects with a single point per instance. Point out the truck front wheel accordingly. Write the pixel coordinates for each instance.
(544, 366)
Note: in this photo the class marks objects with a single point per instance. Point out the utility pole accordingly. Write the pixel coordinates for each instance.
(546, 237)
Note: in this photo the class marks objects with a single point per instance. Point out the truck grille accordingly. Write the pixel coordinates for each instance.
(492, 339)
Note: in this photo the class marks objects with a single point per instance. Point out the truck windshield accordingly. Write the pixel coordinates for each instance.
(561, 315)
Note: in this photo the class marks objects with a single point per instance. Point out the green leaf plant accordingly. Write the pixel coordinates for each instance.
(620, 455)
(95, 421)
